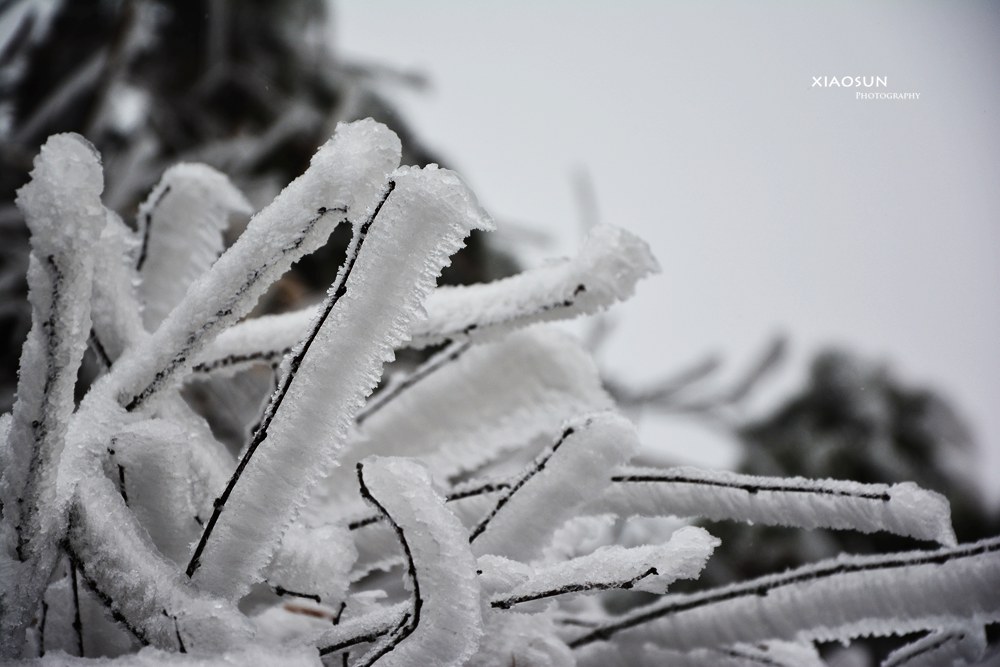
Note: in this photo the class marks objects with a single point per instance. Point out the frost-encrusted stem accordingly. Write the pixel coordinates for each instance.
(950, 646)
(841, 598)
(363, 630)
(650, 568)
(181, 225)
(903, 509)
(604, 271)
(451, 353)
(116, 309)
(62, 207)
(412, 619)
(489, 402)
(560, 479)
(194, 337)
(337, 292)
(532, 470)
(443, 624)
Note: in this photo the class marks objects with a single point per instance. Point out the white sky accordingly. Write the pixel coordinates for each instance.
(772, 206)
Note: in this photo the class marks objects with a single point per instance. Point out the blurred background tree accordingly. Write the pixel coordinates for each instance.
(250, 87)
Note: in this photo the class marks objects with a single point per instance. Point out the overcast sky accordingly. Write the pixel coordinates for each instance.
(771, 204)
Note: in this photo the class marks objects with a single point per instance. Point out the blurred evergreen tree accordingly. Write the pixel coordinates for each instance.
(251, 87)
(853, 420)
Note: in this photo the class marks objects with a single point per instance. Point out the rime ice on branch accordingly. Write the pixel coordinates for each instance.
(446, 518)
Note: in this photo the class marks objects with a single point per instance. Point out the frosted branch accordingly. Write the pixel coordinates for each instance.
(492, 399)
(180, 226)
(444, 624)
(903, 509)
(842, 598)
(62, 207)
(649, 568)
(604, 272)
(560, 479)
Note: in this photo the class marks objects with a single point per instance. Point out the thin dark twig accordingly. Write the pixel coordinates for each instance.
(535, 468)
(77, 622)
(667, 477)
(282, 591)
(41, 629)
(435, 363)
(482, 489)
(147, 227)
(507, 603)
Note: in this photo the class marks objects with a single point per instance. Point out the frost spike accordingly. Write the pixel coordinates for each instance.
(444, 624)
(180, 226)
(343, 182)
(369, 311)
(902, 509)
(605, 271)
(62, 207)
(836, 599)
(560, 479)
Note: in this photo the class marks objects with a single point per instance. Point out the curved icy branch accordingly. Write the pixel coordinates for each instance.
(837, 599)
(63, 210)
(765, 654)
(444, 624)
(362, 630)
(605, 271)
(116, 312)
(285, 656)
(180, 230)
